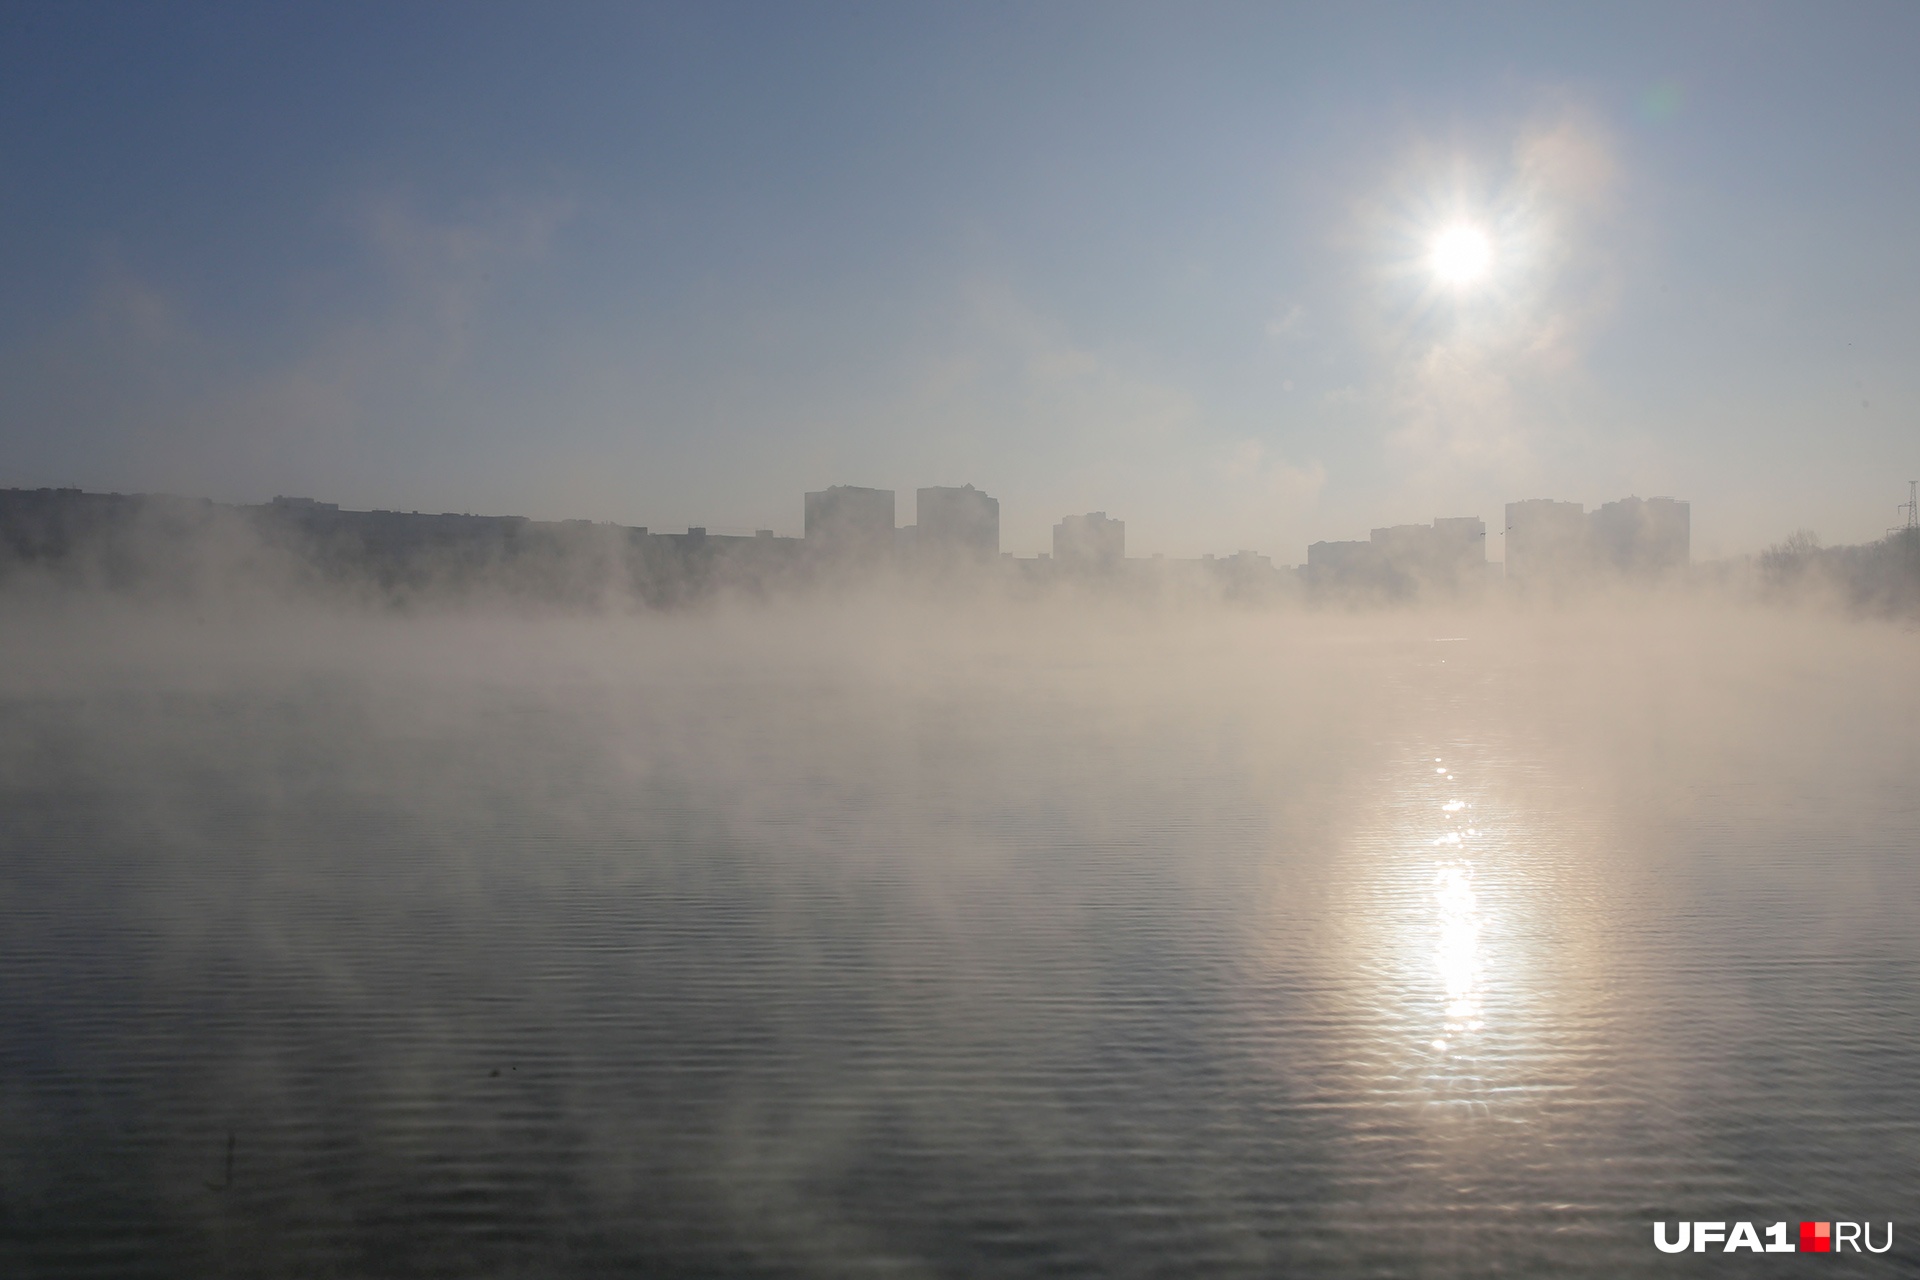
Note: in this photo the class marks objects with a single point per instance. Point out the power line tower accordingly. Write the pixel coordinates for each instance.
(1909, 535)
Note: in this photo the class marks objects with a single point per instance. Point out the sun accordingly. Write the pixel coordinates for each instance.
(1461, 255)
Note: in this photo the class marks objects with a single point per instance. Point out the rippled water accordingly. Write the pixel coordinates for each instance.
(799, 944)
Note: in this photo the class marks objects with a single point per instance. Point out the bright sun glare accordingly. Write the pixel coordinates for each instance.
(1462, 255)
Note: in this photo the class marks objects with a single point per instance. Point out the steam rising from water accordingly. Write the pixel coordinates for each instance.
(849, 934)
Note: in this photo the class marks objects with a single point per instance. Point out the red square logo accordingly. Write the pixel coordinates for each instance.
(1816, 1237)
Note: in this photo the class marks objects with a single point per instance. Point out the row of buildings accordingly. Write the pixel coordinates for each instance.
(179, 545)
(1632, 538)
(1546, 544)
(950, 524)
(1545, 541)
(127, 538)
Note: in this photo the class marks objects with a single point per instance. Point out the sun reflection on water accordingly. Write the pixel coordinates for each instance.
(1458, 953)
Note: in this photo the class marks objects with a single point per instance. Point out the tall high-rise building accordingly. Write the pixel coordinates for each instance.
(1551, 542)
(961, 522)
(1641, 537)
(1546, 540)
(1443, 556)
(1460, 543)
(1090, 541)
(847, 521)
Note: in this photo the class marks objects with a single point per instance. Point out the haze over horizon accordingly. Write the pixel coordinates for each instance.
(674, 266)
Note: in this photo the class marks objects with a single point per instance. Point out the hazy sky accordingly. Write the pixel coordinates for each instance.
(674, 265)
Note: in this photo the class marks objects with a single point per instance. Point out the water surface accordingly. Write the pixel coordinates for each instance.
(871, 942)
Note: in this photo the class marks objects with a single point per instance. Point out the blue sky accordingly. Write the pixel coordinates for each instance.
(674, 265)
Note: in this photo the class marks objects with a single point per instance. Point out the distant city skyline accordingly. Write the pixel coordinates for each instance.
(1629, 535)
(1242, 277)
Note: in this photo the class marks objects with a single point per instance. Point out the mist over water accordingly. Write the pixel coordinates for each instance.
(941, 640)
(849, 935)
